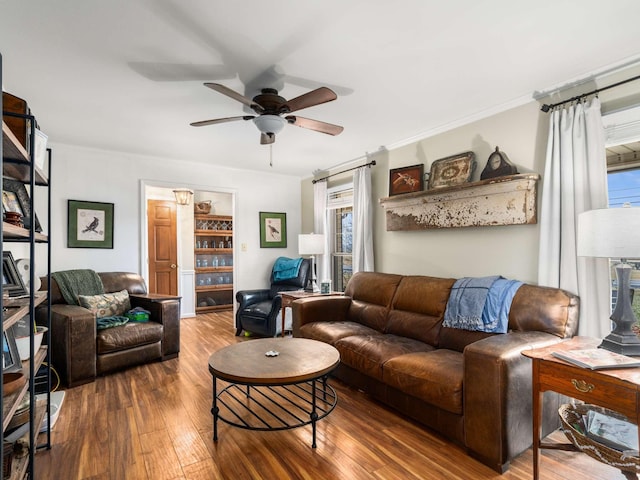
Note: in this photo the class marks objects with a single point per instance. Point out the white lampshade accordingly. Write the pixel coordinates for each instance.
(609, 232)
(269, 123)
(183, 195)
(310, 244)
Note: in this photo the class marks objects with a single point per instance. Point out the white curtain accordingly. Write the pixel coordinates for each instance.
(320, 227)
(362, 248)
(575, 180)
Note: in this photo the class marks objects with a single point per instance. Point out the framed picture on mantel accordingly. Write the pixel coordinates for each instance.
(406, 179)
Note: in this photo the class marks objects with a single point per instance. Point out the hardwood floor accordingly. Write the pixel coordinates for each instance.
(153, 422)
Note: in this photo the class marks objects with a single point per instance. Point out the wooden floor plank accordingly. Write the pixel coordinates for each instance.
(154, 422)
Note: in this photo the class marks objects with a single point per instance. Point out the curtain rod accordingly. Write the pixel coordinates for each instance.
(371, 163)
(545, 107)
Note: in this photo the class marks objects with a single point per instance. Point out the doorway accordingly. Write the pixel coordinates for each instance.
(183, 277)
(162, 247)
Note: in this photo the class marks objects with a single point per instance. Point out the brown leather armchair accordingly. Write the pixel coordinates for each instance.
(79, 351)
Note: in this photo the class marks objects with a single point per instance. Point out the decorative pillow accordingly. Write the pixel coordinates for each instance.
(107, 304)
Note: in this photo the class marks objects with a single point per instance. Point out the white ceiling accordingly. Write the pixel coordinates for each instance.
(399, 68)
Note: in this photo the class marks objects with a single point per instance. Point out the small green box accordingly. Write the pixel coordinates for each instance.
(138, 316)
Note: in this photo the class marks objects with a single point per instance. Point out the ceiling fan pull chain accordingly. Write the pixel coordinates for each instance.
(271, 154)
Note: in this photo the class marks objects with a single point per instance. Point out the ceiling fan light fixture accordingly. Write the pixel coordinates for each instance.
(268, 123)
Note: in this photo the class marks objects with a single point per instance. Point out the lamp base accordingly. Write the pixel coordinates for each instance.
(622, 338)
(624, 344)
(312, 287)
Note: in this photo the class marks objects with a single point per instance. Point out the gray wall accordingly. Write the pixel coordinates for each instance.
(511, 251)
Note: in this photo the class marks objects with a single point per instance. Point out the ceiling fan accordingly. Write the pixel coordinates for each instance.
(273, 111)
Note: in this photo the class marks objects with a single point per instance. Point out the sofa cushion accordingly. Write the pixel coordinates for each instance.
(418, 308)
(127, 336)
(371, 295)
(544, 309)
(367, 353)
(434, 376)
(457, 339)
(106, 304)
(331, 332)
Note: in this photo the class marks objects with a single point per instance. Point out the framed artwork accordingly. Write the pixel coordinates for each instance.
(406, 179)
(15, 198)
(273, 230)
(10, 357)
(23, 327)
(11, 280)
(453, 170)
(89, 224)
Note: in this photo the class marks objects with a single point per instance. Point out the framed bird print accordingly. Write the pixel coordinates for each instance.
(90, 224)
(273, 230)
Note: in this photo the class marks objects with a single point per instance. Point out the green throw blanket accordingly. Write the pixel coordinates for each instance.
(78, 282)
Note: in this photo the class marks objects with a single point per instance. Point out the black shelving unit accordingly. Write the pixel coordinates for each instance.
(18, 163)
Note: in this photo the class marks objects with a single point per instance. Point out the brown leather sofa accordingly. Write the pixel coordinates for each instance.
(472, 387)
(79, 351)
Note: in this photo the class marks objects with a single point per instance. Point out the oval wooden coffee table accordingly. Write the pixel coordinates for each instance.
(273, 384)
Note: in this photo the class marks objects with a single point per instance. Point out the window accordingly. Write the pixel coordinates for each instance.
(623, 163)
(340, 212)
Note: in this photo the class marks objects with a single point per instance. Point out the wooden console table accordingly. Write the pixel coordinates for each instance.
(615, 389)
(288, 297)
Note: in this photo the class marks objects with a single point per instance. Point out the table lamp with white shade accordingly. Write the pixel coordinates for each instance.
(311, 244)
(615, 233)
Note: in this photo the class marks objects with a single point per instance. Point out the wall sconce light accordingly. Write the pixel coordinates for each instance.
(183, 196)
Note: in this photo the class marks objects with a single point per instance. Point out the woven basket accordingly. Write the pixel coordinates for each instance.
(202, 207)
(570, 415)
(7, 460)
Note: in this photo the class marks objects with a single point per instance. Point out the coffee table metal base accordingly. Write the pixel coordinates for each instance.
(273, 407)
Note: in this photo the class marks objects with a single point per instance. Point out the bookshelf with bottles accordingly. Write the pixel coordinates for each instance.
(213, 262)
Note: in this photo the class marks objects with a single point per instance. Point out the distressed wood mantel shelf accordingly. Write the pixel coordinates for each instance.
(508, 200)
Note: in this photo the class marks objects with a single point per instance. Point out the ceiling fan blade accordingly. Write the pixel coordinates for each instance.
(235, 95)
(220, 120)
(267, 138)
(314, 97)
(316, 125)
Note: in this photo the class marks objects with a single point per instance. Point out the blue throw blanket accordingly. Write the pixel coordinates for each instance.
(481, 304)
(286, 268)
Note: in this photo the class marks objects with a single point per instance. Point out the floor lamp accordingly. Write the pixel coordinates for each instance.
(312, 245)
(615, 233)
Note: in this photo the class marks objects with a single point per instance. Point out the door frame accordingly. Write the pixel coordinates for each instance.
(186, 292)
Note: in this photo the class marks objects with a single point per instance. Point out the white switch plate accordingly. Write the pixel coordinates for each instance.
(243, 247)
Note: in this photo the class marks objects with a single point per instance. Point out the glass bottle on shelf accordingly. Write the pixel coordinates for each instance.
(221, 244)
(215, 262)
(198, 243)
(222, 262)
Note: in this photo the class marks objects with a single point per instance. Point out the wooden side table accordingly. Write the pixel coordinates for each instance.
(615, 389)
(288, 297)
